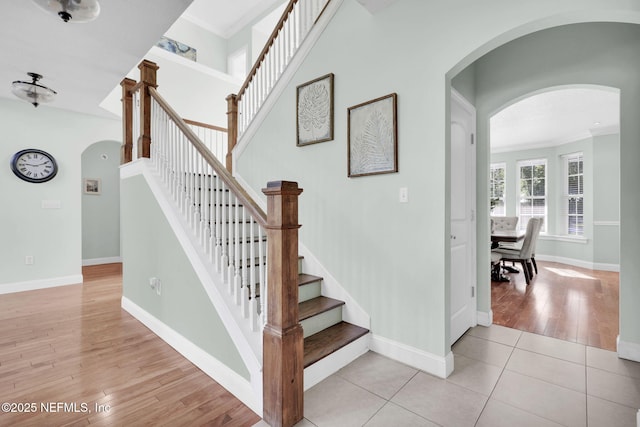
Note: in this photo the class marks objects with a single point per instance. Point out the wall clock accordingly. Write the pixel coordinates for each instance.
(34, 165)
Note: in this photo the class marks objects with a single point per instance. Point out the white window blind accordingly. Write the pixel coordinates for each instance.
(574, 194)
(533, 192)
(497, 179)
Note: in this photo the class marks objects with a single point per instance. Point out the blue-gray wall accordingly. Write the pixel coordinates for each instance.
(603, 54)
(600, 247)
(101, 212)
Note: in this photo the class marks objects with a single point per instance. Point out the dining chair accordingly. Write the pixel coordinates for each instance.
(504, 222)
(523, 254)
(535, 242)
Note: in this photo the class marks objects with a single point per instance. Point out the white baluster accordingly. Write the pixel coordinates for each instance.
(237, 262)
(253, 284)
(244, 262)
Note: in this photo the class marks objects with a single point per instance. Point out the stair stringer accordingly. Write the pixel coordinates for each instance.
(247, 342)
(286, 77)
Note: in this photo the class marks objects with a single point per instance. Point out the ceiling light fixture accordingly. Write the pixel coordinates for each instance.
(71, 10)
(31, 91)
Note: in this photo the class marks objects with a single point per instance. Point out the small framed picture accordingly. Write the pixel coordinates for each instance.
(92, 186)
(314, 111)
(372, 137)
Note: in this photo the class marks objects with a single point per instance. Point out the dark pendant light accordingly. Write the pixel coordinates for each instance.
(75, 11)
(31, 91)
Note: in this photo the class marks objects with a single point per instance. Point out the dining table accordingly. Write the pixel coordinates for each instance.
(507, 236)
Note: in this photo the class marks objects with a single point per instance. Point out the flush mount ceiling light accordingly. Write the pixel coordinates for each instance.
(71, 10)
(31, 91)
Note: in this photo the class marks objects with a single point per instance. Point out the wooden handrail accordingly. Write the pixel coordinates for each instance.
(204, 125)
(246, 200)
(266, 47)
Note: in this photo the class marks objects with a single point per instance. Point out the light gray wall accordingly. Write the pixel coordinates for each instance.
(394, 258)
(602, 54)
(101, 212)
(52, 236)
(602, 160)
(151, 249)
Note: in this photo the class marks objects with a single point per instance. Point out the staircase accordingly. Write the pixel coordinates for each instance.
(244, 258)
(321, 317)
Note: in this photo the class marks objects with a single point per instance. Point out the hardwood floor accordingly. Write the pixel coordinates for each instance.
(80, 359)
(562, 301)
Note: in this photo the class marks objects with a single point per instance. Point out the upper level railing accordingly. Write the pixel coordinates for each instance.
(254, 254)
(292, 28)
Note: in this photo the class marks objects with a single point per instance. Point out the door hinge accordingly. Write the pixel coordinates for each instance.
(472, 139)
(473, 292)
(473, 214)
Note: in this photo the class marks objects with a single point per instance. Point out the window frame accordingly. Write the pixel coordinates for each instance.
(567, 195)
(492, 168)
(522, 224)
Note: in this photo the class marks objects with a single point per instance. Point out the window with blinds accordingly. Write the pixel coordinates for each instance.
(497, 175)
(533, 192)
(574, 194)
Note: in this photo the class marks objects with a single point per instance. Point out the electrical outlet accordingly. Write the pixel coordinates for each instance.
(154, 283)
(28, 260)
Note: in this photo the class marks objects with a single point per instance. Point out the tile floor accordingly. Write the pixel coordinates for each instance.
(503, 377)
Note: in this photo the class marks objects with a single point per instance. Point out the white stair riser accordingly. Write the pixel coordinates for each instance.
(321, 321)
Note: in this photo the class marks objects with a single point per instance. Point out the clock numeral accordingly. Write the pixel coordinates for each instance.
(23, 169)
(28, 173)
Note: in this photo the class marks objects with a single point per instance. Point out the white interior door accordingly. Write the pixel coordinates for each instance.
(463, 224)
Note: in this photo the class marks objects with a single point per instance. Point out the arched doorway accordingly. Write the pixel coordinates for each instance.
(101, 203)
(586, 53)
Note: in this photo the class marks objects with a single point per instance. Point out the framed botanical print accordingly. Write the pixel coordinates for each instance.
(314, 111)
(372, 137)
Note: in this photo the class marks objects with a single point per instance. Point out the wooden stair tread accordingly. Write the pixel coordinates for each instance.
(317, 306)
(325, 342)
(305, 279)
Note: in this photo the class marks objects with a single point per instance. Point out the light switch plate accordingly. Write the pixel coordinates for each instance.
(404, 195)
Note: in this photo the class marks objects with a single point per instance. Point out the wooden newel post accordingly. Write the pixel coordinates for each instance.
(148, 71)
(232, 128)
(127, 120)
(282, 337)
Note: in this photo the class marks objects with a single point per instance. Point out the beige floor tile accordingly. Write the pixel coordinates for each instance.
(440, 401)
(549, 369)
(558, 404)
(474, 374)
(337, 402)
(378, 374)
(497, 333)
(613, 387)
(394, 415)
(498, 414)
(602, 413)
(609, 361)
(553, 347)
(480, 349)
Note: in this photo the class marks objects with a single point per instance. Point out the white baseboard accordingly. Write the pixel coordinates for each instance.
(628, 350)
(419, 359)
(239, 386)
(485, 319)
(31, 285)
(335, 361)
(100, 261)
(579, 263)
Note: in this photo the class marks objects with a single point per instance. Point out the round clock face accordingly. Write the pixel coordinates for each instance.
(34, 165)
